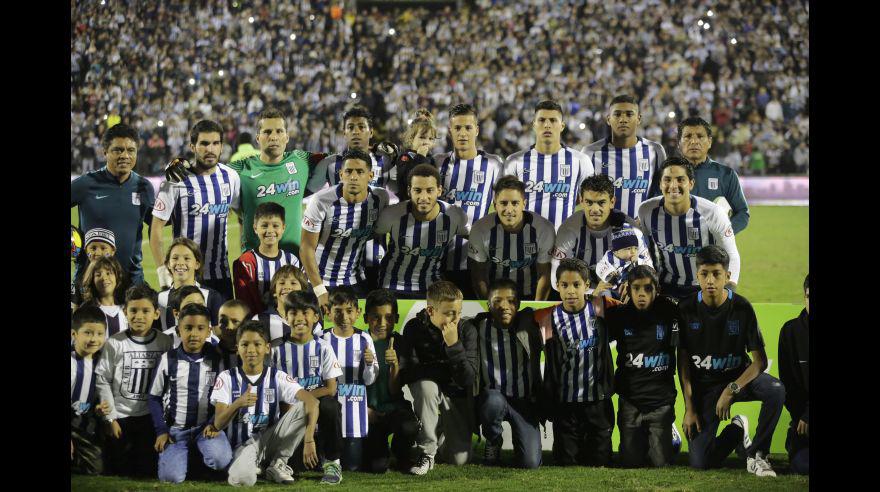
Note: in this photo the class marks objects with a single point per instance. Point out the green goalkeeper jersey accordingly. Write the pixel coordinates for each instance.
(282, 183)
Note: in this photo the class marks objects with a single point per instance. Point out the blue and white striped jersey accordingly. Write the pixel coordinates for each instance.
(579, 337)
(631, 169)
(467, 183)
(504, 363)
(344, 230)
(116, 320)
(198, 208)
(272, 388)
(678, 239)
(185, 381)
(513, 255)
(311, 363)
(356, 376)
(213, 300)
(277, 326)
(417, 249)
(552, 181)
(327, 171)
(172, 332)
(83, 396)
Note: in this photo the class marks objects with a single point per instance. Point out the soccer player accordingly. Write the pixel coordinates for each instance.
(387, 410)
(439, 358)
(578, 370)
(646, 331)
(629, 160)
(511, 243)
(198, 208)
(511, 389)
(586, 235)
(357, 357)
(313, 363)
(680, 224)
(268, 413)
(467, 176)
(421, 230)
(184, 260)
(89, 333)
(794, 371)
(116, 198)
(178, 399)
(124, 374)
(719, 331)
(551, 171)
(336, 226)
(232, 313)
(253, 270)
(712, 180)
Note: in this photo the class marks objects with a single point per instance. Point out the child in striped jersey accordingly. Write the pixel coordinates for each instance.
(356, 356)
(88, 332)
(628, 249)
(184, 260)
(123, 375)
(179, 398)
(578, 370)
(314, 365)
(177, 300)
(232, 313)
(103, 286)
(286, 280)
(252, 272)
(267, 412)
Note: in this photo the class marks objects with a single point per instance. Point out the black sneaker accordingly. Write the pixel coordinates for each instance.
(492, 453)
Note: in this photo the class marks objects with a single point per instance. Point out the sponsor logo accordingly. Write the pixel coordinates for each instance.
(650, 361)
(717, 363)
(349, 390)
(695, 325)
(728, 232)
(159, 205)
(513, 264)
(688, 250)
(638, 185)
(255, 176)
(101, 197)
(559, 254)
(469, 198)
(436, 251)
(628, 332)
(288, 188)
(308, 222)
(559, 188)
(209, 209)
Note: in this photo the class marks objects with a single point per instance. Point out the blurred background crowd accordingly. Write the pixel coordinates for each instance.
(163, 65)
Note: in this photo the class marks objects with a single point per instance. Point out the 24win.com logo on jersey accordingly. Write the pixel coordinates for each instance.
(289, 188)
(717, 363)
(559, 189)
(638, 185)
(436, 251)
(209, 209)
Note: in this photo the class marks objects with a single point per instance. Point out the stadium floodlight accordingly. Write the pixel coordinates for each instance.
(105, 116)
(409, 121)
(220, 73)
(354, 95)
(293, 37)
(710, 13)
(706, 26)
(392, 32)
(671, 115)
(700, 22)
(103, 2)
(582, 126)
(160, 123)
(251, 20)
(312, 17)
(732, 40)
(192, 81)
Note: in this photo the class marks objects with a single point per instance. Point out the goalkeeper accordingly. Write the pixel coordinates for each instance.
(712, 180)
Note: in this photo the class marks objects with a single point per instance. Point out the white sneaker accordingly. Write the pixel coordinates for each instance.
(422, 466)
(760, 466)
(742, 421)
(279, 472)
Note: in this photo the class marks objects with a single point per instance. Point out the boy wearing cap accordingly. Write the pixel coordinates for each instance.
(99, 242)
(628, 249)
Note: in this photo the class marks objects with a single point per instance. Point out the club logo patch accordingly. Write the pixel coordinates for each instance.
(224, 189)
(479, 177)
(269, 395)
(291, 167)
(135, 198)
(713, 183)
(210, 377)
(628, 332)
(314, 361)
(644, 164)
(565, 171)
(695, 325)
(733, 327)
(442, 236)
(374, 215)
(559, 254)
(661, 332)
(694, 233)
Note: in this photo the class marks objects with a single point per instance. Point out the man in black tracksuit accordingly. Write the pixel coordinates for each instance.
(794, 371)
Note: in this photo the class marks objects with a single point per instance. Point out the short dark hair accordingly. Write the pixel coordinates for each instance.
(623, 99)
(424, 170)
(549, 104)
(573, 265)
(678, 161)
(175, 296)
(244, 138)
(713, 255)
(251, 325)
(237, 303)
(343, 295)
(380, 297)
(269, 209)
(300, 300)
(502, 283)
(142, 291)
(359, 155)
(509, 182)
(694, 121)
(806, 283)
(269, 114)
(639, 272)
(205, 126)
(119, 130)
(462, 110)
(358, 111)
(88, 313)
(598, 183)
(195, 310)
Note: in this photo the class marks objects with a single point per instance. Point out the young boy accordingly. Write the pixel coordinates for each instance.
(356, 355)
(232, 313)
(124, 374)
(439, 360)
(719, 327)
(88, 330)
(180, 298)
(286, 280)
(578, 371)
(794, 371)
(253, 270)
(646, 330)
(179, 396)
(387, 410)
(267, 411)
(314, 365)
(628, 249)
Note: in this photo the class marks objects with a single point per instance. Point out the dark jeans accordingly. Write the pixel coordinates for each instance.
(372, 274)
(222, 286)
(495, 408)
(132, 455)
(708, 451)
(352, 453)
(798, 448)
(645, 434)
(677, 291)
(86, 453)
(462, 280)
(328, 437)
(403, 424)
(582, 433)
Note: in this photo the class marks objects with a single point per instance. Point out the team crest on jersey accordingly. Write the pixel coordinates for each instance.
(210, 377)
(479, 177)
(357, 354)
(565, 171)
(713, 183)
(733, 327)
(135, 198)
(530, 248)
(374, 215)
(314, 361)
(291, 167)
(628, 332)
(695, 325)
(224, 189)
(694, 233)
(442, 236)
(269, 395)
(644, 164)
(661, 332)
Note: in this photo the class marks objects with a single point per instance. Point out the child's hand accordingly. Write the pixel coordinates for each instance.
(310, 454)
(247, 399)
(115, 430)
(369, 357)
(390, 354)
(162, 441)
(210, 431)
(102, 409)
(450, 333)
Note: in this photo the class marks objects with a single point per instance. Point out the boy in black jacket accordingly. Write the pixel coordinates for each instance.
(794, 371)
(510, 375)
(438, 360)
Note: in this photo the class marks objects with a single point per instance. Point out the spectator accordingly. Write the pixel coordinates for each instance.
(244, 147)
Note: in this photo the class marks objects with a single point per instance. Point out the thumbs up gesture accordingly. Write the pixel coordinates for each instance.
(390, 354)
(247, 398)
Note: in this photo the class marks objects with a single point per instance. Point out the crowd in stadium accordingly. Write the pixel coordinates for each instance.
(743, 68)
